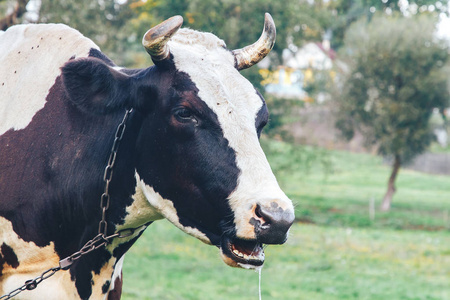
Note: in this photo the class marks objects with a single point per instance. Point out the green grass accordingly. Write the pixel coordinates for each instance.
(316, 263)
(342, 254)
(336, 187)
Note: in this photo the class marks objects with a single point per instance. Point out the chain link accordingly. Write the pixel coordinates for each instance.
(98, 241)
(31, 284)
(101, 239)
(107, 176)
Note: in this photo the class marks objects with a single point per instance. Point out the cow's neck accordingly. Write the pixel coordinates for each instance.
(66, 215)
(128, 209)
(136, 211)
(63, 218)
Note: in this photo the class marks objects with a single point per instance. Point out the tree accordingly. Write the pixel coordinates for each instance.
(346, 12)
(11, 12)
(397, 77)
(239, 22)
(102, 21)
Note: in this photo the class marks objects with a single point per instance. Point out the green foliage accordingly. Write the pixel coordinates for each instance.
(395, 5)
(282, 112)
(347, 12)
(102, 21)
(394, 83)
(323, 82)
(118, 28)
(239, 23)
(287, 159)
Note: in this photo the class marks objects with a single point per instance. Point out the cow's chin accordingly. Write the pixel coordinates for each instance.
(241, 253)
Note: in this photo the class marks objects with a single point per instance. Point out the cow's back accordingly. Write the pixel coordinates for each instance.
(30, 58)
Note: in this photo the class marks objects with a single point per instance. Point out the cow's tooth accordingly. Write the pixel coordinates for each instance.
(245, 256)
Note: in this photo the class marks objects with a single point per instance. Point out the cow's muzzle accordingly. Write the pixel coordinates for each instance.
(271, 226)
(271, 223)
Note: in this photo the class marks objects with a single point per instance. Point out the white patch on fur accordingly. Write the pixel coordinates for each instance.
(165, 207)
(33, 260)
(30, 58)
(234, 100)
(140, 211)
(117, 272)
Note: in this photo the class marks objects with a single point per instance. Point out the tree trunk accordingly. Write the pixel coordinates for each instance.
(387, 200)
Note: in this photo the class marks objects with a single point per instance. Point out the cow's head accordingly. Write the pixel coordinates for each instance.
(199, 162)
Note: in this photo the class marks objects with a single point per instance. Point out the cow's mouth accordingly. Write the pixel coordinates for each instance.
(242, 253)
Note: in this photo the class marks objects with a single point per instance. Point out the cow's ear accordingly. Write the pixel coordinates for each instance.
(95, 87)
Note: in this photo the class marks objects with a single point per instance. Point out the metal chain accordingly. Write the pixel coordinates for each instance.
(101, 239)
(107, 176)
(98, 241)
(64, 264)
(31, 284)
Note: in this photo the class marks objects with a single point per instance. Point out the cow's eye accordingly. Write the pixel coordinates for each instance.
(184, 115)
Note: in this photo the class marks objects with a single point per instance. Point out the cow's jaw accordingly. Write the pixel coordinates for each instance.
(242, 253)
(236, 252)
(165, 208)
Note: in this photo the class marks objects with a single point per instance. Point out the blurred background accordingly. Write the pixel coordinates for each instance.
(358, 92)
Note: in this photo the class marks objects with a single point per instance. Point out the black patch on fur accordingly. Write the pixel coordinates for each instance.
(2, 262)
(60, 157)
(189, 163)
(95, 87)
(9, 256)
(124, 247)
(105, 287)
(262, 117)
(98, 54)
(115, 293)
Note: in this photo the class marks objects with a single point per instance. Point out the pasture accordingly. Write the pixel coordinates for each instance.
(335, 251)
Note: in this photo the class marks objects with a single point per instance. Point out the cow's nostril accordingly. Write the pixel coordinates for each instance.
(259, 213)
(266, 218)
(274, 223)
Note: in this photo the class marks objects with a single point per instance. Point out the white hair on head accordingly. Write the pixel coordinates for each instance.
(186, 36)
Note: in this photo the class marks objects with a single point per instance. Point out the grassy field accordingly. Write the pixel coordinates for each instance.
(336, 187)
(335, 251)
(316, 263)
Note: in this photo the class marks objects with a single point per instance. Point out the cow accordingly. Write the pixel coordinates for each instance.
(188, 151)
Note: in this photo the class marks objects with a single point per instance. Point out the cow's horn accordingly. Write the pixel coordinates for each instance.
(155, 40)
(252, 54)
